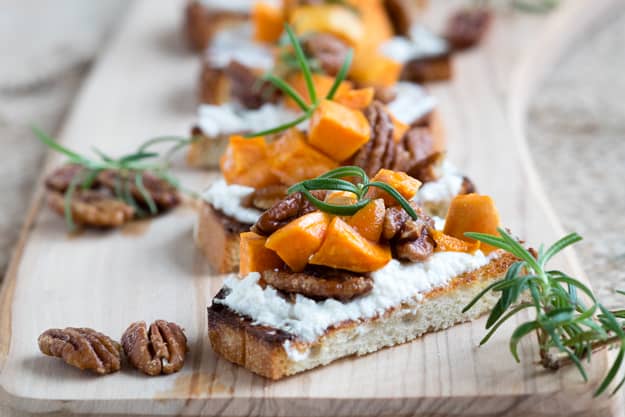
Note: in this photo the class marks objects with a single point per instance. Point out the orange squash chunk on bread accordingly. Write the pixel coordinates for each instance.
(323, 83)
(245, 163)
(341, 198)
(472, 213)
(356, 99)
(268, 22)
(254, 256)
(371, 68)
(344, 248)
(400, 181)
(369, 220)
(337, 130)
(334, 19)
(446, 243)
(295, 242)
(293, 160)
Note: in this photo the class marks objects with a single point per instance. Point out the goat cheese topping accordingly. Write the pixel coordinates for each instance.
(308, 319)
(411, 103)
(420, 43)
(235, 43)
(235, 6)
(444, 189)
(227, 199)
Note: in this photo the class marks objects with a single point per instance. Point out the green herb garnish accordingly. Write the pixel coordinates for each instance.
(569, 327)
(131, 168)
(334, 181)
(304, 66)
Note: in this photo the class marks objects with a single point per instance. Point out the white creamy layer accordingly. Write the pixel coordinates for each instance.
(411, 103)
(227, 199)
(235, 43)
(421, 42)
(308, 319)
(444, 188)
(235, 6)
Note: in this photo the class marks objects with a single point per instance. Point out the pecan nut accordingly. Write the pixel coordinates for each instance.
(379, 151)
(284, 211)
(60, 179)
(410, 239)
(467, 27)
(266, 197)
(93, 208)
(328, 50)
(164, 195)
(82, 348)
(250, 90)
(159, 349)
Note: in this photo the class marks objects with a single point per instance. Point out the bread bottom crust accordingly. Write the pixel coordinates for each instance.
(201, 23)
(275, 354)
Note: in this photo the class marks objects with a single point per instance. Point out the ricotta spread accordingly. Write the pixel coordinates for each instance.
(235, 6)
(445, 188)
(420, 43)
(235, 43)
(308, 319)
(227, 199)
(411, 102)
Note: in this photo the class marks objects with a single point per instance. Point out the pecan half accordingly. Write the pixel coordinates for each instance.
(320, 283)
(467, 27)
(83, 348)
(93, 208)
(328, 50)
(60, 179)
(379, 151)
(401, 14)
(161, 349)
(248, 87)
(284, 211)
(164, 194)
(266, 197)
(410, 239)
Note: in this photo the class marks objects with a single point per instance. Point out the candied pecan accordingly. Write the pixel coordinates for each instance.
(410, 239)
(379, 151)
(467, 186)
(415, 250)
(266, 197)
(161, 349)
(418, 154)
(164, 194)
(83, 348)
(93, 208)
(428, 68)
(60, 179)
(248, 88)
(284, 211)
(401, 14)
(394, 219)
(467, 27)
(328, 50)
(384, 94)
(320, 283)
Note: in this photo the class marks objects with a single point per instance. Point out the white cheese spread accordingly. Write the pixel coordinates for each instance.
(227, 199)
(308, 319)
(444, 189)
(420, 43)
(234, 6)
(230, 118)
(235, 43)
(411, 102)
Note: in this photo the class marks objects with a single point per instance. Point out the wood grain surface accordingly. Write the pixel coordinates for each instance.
(141, 87)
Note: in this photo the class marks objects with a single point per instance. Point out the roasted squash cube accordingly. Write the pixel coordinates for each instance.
(369, 220)
(268, 22)
(371, 68)
(472, 213)
(296, 241)
(245, 162)
(345, 248)
(400, 181)
(322, 83)
(338, 131)
(446, 243)
(255, 257)
(357, 99)
(329, 18)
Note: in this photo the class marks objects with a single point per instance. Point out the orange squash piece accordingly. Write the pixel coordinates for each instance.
(357, 99)
(295, 242)
(402, 182)
(338, 131)
(345, 248)
(329, 18)
(293, 160)
(369, 220)
(399, 128)
(375, 19)
(245, 162)
(323, 84)
(341, 198)
(446, 243)
(268, 22)
(371, 68)
(472, 213)
(255, 257)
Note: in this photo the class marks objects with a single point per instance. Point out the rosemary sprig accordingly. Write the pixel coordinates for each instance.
(334, 181)
(131, 168)
(568, 327)
(304, 66)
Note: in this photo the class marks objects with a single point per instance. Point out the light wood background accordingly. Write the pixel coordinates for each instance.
(140, 88)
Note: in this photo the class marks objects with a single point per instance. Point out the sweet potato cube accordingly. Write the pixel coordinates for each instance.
(446, 243)
(399, 128)
(323, 83)
(472, 213)
(245, 162)
(400, 181)
(341, 198)
(293, 160)
(369, 220)
(345, 248)
(329, 18)
(255, 257)
(338, 131)
(296, 241)
(357, 99)
(268, 22)
(371, 68)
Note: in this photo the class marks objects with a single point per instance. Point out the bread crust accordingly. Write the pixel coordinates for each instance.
(261, 349)
(428, 69)
(201, 23)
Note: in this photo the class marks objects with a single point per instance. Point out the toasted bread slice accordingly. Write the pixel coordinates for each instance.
(274, 353)
(202, 22)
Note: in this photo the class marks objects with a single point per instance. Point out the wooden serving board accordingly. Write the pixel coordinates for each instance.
(142, 86)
